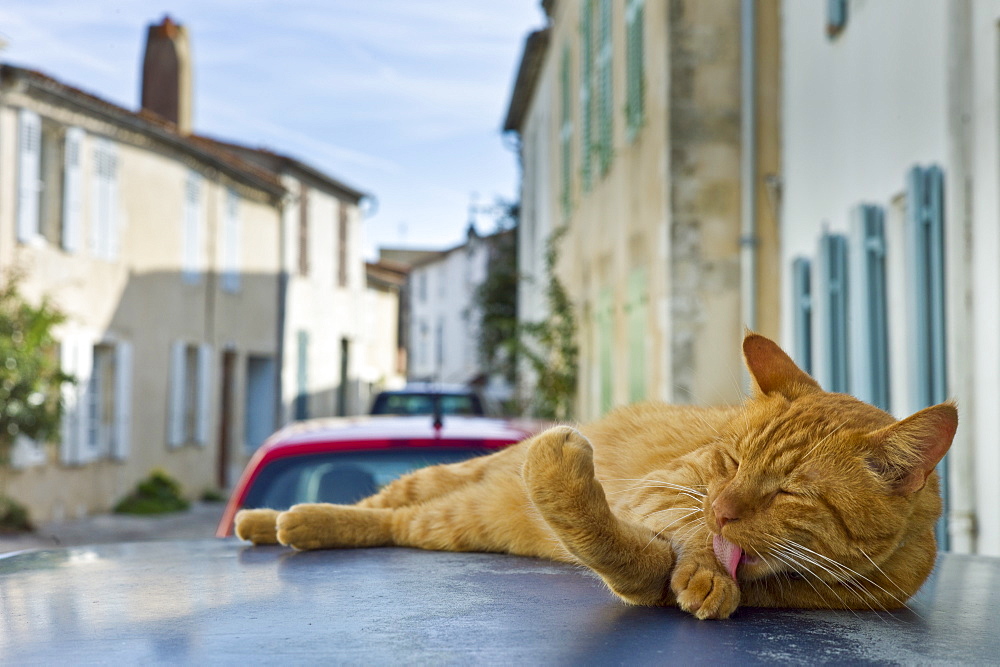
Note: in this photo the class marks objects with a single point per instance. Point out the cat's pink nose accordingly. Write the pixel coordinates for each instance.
(725, 510)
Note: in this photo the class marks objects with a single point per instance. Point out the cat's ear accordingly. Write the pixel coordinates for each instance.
(905, 453)
(774, 371)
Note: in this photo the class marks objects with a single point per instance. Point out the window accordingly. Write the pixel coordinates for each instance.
(192, 243)
(97, 415)
(635, 103)
(302, 376)
(832, 311)
(802, 313)
(636, 309)
(870, 342)
(42, 165)
(231, 244)
(190, 380)
(104, 236)
(342, 221)
(586, 108)
(565, 135)
(304, 231)
(605, 90)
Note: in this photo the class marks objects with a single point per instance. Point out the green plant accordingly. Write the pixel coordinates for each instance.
(212, 496)
(31, 376)
(13, 516)
(157, 494)
(550, 346)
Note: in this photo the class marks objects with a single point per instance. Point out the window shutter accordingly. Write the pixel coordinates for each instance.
(191, 258)
(605, 349)
(925, 233)
(204, 393)
(86, 452)
(565, 134)
(29, 175)
(231, 244)
(833, 309)
(72, 190)
(69, 448)
(175, 420)
(802, 312)
(635, 64)
(638, 334)
(870, 342)
(105, 232)
(605, 91)
(302, 377)
(586, 80)
(121, 441)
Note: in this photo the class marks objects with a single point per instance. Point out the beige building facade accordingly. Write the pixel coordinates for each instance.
(647, 143)
(190, 271)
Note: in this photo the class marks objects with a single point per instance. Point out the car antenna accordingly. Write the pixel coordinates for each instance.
(438, 413)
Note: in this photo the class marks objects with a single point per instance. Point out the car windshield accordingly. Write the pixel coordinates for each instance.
(423, 404)
(341, 477)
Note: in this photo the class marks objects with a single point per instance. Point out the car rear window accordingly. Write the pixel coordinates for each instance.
(341, 477)
(423, 404)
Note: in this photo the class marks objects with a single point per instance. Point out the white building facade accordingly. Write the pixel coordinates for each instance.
(890, 247)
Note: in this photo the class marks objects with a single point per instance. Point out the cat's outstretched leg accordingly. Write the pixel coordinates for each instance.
(559, 475)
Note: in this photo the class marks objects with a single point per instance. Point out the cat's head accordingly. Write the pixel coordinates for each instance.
(821, 484)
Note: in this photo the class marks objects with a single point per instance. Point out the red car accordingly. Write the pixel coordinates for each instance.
(344, 460)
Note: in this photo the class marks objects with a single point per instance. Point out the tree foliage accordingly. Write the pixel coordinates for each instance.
(496, 298)
(31, 377)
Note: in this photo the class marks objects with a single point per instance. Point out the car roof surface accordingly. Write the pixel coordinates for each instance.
(224, 602)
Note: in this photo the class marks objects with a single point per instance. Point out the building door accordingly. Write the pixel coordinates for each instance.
(260, 401)
(226, 416)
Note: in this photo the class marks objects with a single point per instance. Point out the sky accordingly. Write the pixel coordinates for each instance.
(403, 99)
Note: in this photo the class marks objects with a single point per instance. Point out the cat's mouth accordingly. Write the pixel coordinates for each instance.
(731, 555)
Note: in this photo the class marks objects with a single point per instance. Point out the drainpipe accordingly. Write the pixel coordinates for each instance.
(748, 166)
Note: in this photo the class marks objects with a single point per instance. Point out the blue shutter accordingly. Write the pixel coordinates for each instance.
(925, 231)
(870, 344)
(833, 271)
(802, 313)
(836, 16)
(302, 379)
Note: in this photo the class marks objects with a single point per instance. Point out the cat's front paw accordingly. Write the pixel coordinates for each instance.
(559, 455)
(257, 526)
(703, 590)
(325, 526)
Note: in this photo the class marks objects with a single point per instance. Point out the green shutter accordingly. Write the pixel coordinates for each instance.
(638, 333)
(605, 91)
(586, 76)
(565, 135)
(635, 66)
(605, 361)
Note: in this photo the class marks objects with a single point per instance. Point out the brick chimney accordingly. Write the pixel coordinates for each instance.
(166, 73)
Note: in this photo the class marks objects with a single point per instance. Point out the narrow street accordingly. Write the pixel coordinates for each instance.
(197, 522)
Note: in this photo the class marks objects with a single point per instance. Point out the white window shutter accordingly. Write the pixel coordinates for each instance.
(231, 242)
(72, 190)
(69, 448)
(114, 231)
(29, 151)
(175, 417)
(204, 393)
(122, 440)
(191, 245)
(84, 369)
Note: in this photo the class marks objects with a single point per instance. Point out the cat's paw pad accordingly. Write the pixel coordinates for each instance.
(560, 452)
(257, 526)
(704, 591)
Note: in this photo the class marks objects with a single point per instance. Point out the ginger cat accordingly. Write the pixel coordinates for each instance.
(798, 498)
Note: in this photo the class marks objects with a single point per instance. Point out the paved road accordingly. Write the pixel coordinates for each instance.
(199, 521)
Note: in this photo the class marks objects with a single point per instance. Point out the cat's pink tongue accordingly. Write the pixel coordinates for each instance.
(728, 554)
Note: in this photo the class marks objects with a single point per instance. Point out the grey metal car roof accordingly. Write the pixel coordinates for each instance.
(220, 602)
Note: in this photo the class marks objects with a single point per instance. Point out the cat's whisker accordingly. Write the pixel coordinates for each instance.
(800, 568)
(859, 575)
(862, 593)
(662, 530)
(828, 436)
